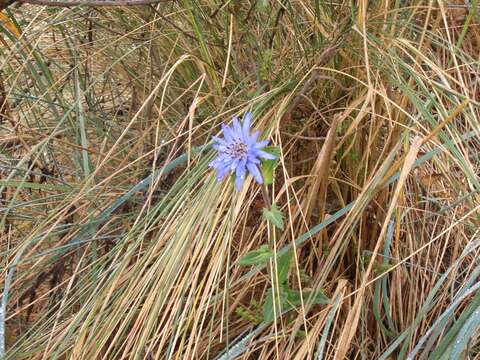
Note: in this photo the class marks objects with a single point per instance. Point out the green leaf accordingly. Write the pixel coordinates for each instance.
(293, 297)
(268, 313)
(286, 299)
(281, 304)
(268, 166)
(283, 265)
(255, 257)
(274, 216)
(317, 297)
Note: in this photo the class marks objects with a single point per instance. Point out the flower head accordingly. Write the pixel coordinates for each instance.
(239, 152)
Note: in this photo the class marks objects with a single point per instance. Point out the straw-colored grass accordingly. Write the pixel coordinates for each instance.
(117, 242)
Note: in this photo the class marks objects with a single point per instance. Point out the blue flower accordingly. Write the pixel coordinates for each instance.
(239, 152)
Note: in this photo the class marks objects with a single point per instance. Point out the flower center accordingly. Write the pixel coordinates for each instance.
(238, 150)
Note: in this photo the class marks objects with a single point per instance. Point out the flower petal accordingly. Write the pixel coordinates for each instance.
(241, 169)
(234, 164)
(220, 148)
(238, 183)
(221, 173)
(228, 133)
(221, 160)
(221, 157)
(215, 162)
(240, 175)
(253, 138)
(253, 169)
(237, 128)
(253, 159)
(266, 155)
(247, 122)
(261, 144)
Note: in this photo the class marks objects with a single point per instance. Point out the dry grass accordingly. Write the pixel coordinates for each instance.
(118, 243)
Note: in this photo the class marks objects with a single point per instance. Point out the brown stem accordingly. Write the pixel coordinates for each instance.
(266, 197)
